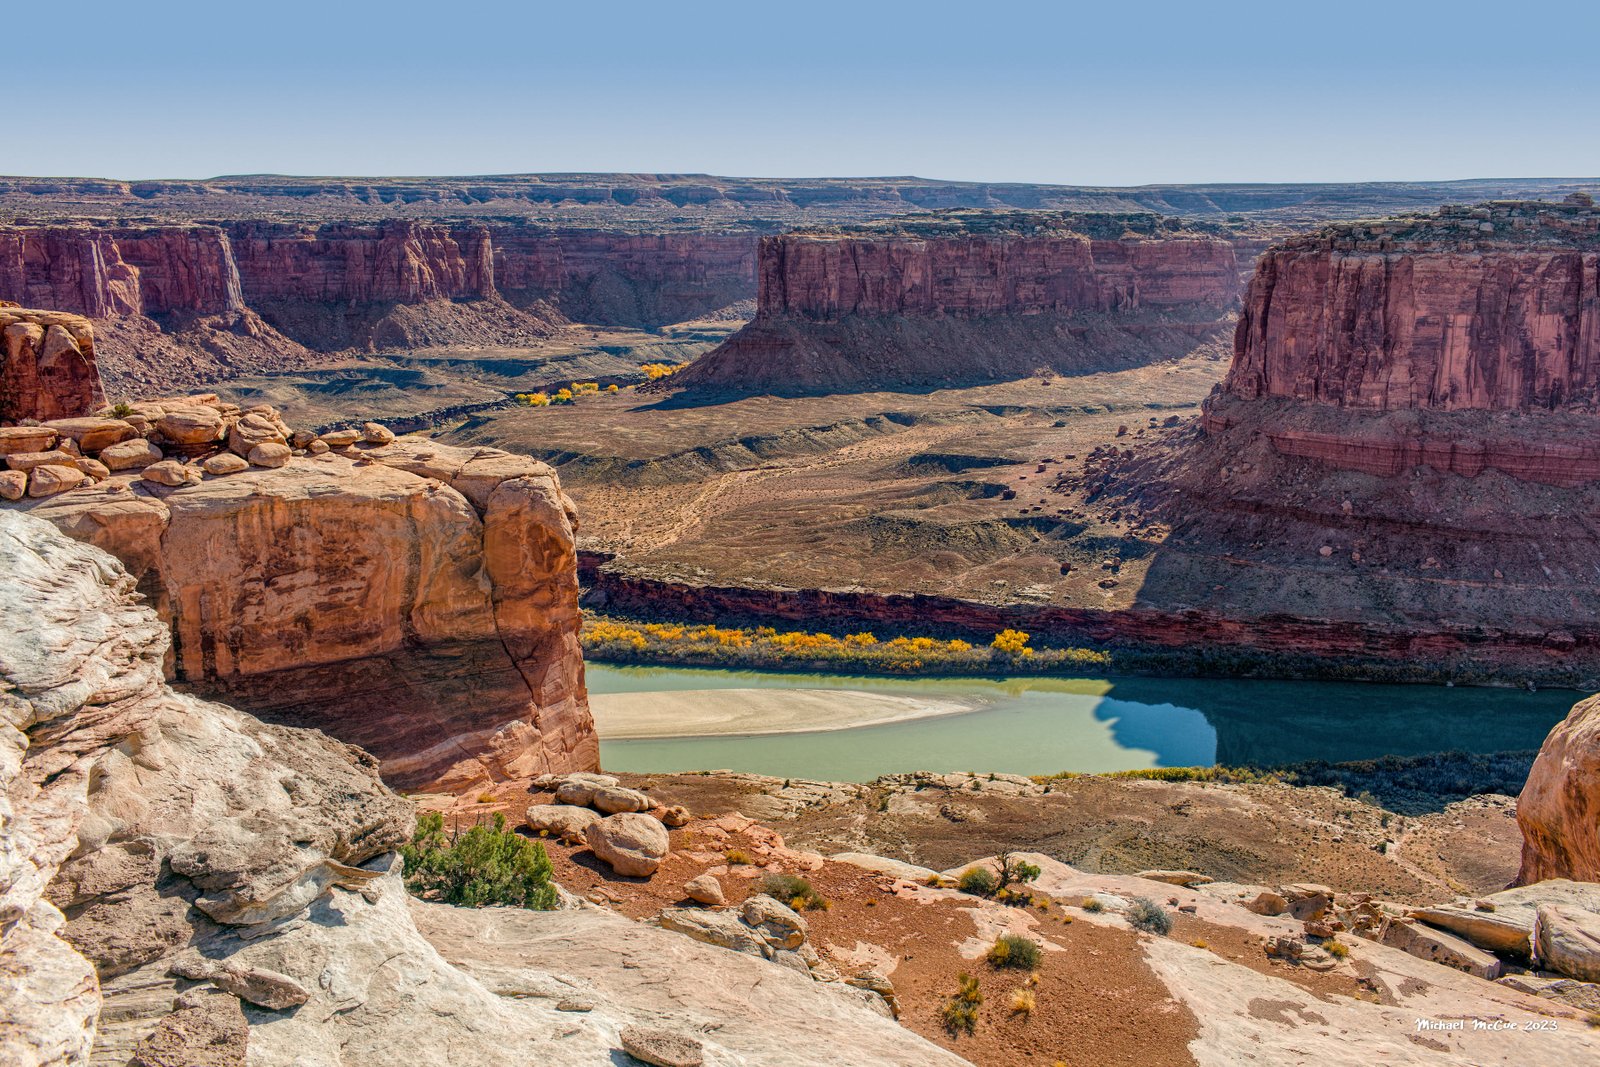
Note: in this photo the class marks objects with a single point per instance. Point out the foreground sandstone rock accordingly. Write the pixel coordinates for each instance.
(231, 893)
(1559, 809)
(416, 599)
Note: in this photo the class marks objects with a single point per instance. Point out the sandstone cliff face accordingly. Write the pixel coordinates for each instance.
(183, 884)
(970, 297)
(47, 366)
(1559, 809)
(416, 599)
(624, 279)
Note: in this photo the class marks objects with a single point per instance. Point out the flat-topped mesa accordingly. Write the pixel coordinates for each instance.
(971, 295)
(47, 365)
(416, 599)
(1495, 307)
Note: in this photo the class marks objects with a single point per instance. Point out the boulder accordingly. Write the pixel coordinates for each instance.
(613, 799)
(257, 985)
(271, 454)
(675, 816)
(564, 821)
(704, 889)
(1426, 943)
(910, 872)
(1504, 922)
(13, 485)
(661, 1048)
(167, 472)
(252, 431)
(224, 463)
(1559, 808)
(317, 448)
(191, 426)
(340, 438)
(51, 479)
(133, 454)
(1585, 996)
(633, 844)
(15, 439)
(1567, 941)
(721, 928)
(780, 925)
(375, 434)
(93, 468)
(26, 461)
(91, 433)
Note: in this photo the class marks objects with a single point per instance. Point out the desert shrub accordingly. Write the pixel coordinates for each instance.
(1145, 914)
(121, 410)
(794, 891)
(486, 865)
(1023, 1002)
(979, 881)
(960, 1012)
(1011, 643)
(1014, 950)
(1014, 871)
(1337, 949)
(1092, 904)
(737, 857)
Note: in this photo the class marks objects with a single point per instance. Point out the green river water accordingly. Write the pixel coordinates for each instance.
(1044, 725)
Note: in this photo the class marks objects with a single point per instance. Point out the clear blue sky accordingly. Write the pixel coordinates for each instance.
(1110, 93)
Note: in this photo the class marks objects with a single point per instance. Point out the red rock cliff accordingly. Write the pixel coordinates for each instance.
(625, 279)
(1494, 308)
(399, 262)
(971, 296)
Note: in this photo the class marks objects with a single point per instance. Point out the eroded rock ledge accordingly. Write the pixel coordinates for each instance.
(417, 599)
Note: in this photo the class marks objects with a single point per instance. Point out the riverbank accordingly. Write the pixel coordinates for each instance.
(1133, 642)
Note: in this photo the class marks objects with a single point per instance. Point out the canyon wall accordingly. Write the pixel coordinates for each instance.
(1387, 345)
(969, 296)
(625, 279)
(1406, 437)
(416, 599)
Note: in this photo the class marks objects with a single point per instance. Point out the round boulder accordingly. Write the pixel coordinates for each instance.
(269, 454)
(13, 485)
(191, 426)
(613, 799)
(51, 478)
(565, 821)
(133, 454)
(225, 463)
(376, 434)
(704, 890)
(675, 816)
(633, 844)
(167, 472)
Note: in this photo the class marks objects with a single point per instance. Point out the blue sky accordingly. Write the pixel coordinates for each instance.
(1072, 93)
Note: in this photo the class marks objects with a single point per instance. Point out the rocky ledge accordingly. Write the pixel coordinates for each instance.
(181, 883)
(416, 599)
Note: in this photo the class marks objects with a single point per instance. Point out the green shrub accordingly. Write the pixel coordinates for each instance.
(979, 881)
(960, 1012)
(1015, 872)
(1014, 950)
(1145, 914)
(794, 891)
(486, 865)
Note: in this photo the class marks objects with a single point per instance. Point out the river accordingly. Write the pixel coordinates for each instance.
(807, 725)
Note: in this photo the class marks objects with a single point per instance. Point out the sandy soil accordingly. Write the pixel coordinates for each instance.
(725, 712)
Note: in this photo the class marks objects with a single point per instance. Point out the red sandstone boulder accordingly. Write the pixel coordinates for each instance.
(50, 479)
(47, 366)
(1559, 809)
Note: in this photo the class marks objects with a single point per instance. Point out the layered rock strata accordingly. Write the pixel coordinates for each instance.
(184, 884)
(969, 296)
(417, 599)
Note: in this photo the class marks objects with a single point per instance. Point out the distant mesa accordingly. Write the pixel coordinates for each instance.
(964, 296)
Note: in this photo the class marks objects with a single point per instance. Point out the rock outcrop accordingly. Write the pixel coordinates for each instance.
(184, 884)
(1487, 309)
(1559, 809)
(416, 599)
(966, 296)
(47, 365)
